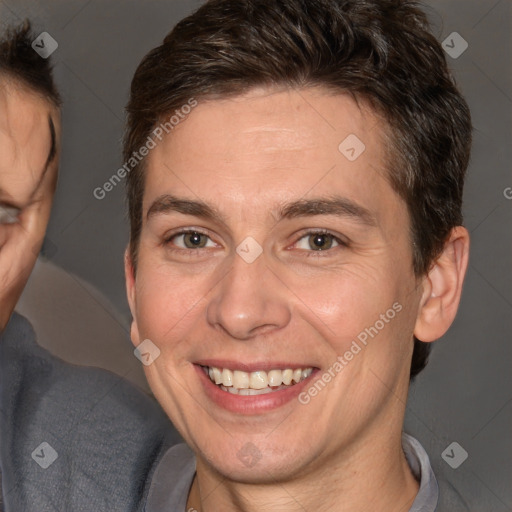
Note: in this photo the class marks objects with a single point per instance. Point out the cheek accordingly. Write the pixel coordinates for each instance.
(166, 302)
(344, 303)
(40, 221)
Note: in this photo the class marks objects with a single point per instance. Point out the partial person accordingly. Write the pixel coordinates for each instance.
(71, 438)
(29, 144)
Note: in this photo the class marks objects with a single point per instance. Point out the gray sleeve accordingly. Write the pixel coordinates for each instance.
(73, 438)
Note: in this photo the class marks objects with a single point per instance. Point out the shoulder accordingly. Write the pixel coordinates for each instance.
(104, 434)
(45, 384)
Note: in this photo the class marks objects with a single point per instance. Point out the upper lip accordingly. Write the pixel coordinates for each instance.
(253, 366)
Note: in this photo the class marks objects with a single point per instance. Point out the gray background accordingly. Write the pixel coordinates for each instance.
(465, 394)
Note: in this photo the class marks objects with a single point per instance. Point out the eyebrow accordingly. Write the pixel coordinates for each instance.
(333, 205)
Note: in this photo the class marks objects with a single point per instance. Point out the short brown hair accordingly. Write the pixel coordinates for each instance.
(19, 61)
(379, 51)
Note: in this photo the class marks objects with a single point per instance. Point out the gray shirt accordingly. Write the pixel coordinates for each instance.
(76, 439)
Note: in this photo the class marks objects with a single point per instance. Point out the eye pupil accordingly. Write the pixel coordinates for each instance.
(193, 240)
(320, 241)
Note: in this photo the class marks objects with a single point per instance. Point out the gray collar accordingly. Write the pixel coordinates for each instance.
(175, 472)
(428, 493)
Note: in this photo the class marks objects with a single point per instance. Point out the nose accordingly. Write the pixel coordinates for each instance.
(249, 301)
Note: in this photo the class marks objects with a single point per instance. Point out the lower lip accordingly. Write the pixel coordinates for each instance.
(250, 404)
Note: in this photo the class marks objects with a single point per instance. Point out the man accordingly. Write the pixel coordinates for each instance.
(295, 232)
(30, 128)
(58, 423)
(29, 135)
(296, 243)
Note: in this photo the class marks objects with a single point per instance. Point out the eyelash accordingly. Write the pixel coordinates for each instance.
(308, 254)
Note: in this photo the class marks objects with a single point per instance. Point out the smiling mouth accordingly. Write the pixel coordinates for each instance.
(238, 382)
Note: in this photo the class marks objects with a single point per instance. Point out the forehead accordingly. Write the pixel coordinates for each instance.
(25, 137)
(266, 128)
(268, 146)
(276, 121)
(22, 109)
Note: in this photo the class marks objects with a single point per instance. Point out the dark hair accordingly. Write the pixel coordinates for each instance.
(379, 51)
(19, 61)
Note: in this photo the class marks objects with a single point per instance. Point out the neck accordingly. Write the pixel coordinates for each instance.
(373, 476)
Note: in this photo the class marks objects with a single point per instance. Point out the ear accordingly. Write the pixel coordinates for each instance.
(131, 295)
(442, 288)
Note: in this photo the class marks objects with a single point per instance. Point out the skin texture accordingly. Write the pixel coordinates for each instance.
(248, 157)
(27, 183)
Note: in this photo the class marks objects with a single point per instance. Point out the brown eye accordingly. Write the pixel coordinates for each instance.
(320, 241)
(193, 240)
(316, 241)
(189, 239)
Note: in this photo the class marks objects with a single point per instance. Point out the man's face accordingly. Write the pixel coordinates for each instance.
(336, 259)
(29, 131)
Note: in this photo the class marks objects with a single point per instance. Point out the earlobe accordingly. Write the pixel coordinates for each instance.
(442, 288)
(131, 296)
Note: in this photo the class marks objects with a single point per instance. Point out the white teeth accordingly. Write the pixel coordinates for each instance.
(274, 378)
(227, 377)
(240, 379)
(217, 376)
(287, 376)
(248, 391)
(258, 382)
(306, 373)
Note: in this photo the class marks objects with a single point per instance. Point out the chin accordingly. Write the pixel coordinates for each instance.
(252, 465)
